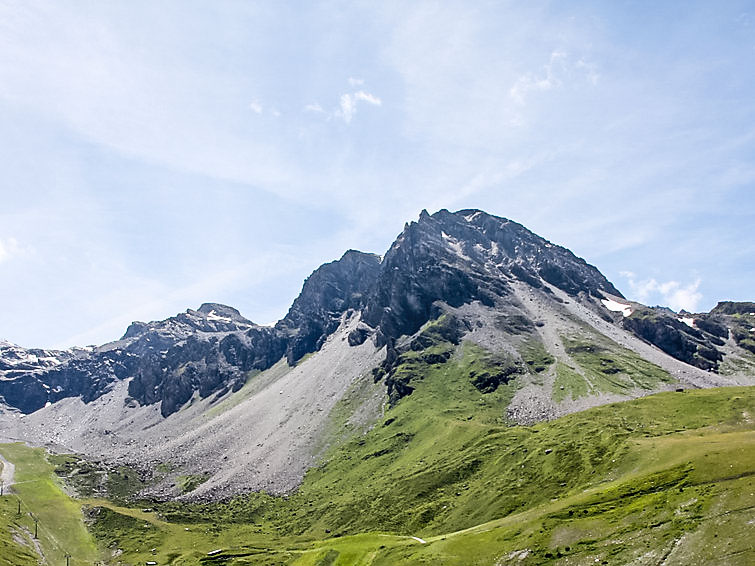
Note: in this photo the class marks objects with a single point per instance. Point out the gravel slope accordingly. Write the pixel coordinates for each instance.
(263, 437)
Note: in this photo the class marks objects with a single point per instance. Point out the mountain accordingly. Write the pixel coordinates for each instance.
(535, 331)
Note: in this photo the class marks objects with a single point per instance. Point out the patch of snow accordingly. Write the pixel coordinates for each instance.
(688, 320)
(214, 316)
(472, 216)
(615, 306)
(419, 540)
(48, 404)
(455, 246)
(752, 329)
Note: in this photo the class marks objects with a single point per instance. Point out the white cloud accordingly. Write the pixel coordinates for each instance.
(255, 107)
(367, 97)
(530, 82)
(356, 82)
(9, 248)
(348, 106)
(673, 294)
(555, 73)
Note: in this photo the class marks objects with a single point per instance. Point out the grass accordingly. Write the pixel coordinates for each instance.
(568, 383)
(61, 523)
(15, 541)
(666, 475)
(535, 355)
(188, 483)
(609, 368)
(616, 483)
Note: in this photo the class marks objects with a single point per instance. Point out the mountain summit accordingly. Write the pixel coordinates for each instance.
(524, 321)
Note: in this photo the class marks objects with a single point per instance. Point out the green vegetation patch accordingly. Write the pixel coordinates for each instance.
(115, 530)
(535, 355)
(124, 483)
(188, 483)
(611, 368)
(86, 478)
(569, 383)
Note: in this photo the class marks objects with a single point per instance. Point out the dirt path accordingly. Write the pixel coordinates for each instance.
(7, 473)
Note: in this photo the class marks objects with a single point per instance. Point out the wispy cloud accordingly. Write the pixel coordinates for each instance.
(349, 103)
(674, 294)
(590, 70)
(314, 107)
(255, 107)
(553, 76)
(532, 82)
(9, 248)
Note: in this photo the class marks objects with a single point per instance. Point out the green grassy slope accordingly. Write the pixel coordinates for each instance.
(61, 527)
(667, 477)
(15, 544)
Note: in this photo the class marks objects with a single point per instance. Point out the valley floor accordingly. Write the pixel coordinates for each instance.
(671, 482)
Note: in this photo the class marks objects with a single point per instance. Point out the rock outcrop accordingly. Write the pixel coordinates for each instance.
(331, 290)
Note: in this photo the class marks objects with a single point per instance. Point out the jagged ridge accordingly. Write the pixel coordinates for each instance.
(445, 260)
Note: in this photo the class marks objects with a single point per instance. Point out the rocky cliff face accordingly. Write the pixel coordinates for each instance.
(207, 351)
(19, 368)
(467, 256)
(694, 339)
(330, 291)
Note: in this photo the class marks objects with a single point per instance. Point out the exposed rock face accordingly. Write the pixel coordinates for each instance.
(330, 291)
(19, 371)
(462, 257)
(690, 344)
(208, 351)
(740, 318)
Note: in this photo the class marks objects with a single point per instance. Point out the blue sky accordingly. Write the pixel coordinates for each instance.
(157, 155)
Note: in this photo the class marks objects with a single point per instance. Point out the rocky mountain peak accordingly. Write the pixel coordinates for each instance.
(465, 256)
(330, 291)
(220, 310)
